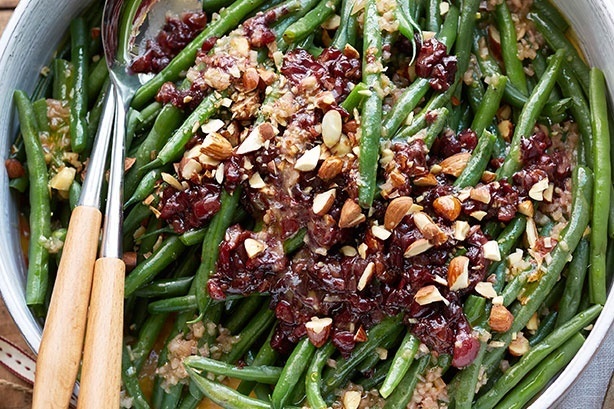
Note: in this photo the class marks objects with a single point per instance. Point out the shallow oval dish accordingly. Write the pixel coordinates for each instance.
(28, 43)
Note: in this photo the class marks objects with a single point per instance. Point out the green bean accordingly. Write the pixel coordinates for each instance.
(145, 187)
(40, 108)
(262, 373)
(167, 287)
(347, 32)
(211, 6)
(96, 78)
(168, 252)
(474, 309)
(509, 48)
(62, 79)
(182, 303)
(314, 377)
(310, 21)
(242, 314)
(93, 117)
(292, 244)
(441, 117)
(467, 379)
(418, 89)
(545, 328)
(403, 393)
(529, 114)
(229, 18)
(466, 24)
(558, 41)
(611, 217)
(147, 338)
(73, 194)
(551, 13)
(515, 287)
(40, 213)
(353, 100)
(130, 381)
(480, 158)
(260, 323)
(213, 237)
(371, 119)
(265, 356)
(168, 120)
(79, 138)
(400, 364)
(601, 188)
(490, 103)
(389, 327)
(576, 273)
(433, 15)
(419, 121)
(407, 24)
(294, 368)
(174, 147)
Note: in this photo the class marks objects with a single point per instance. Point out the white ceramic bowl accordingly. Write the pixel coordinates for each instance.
(27, 45)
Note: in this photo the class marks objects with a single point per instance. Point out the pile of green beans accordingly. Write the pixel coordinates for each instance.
(552, 303)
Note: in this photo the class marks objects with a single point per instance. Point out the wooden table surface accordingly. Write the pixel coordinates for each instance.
(14, 393)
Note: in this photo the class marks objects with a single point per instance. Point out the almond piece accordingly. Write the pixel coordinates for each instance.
(366, 276)
(64, 178)
(253, 142)
(427, 180)
(428, 295)
(429, 229)
(351, 215)
(531, 232)
(361, 335)
(309, 160)
(461, 229)
(322, 202)
(351, 399)
(331, 167)
(458, 273)
(216, 146)
(253, 247)
(480, 194)
(500, 319)
(171, 181)
(318, 330)
(519, 346)
(447, 207)
(455, 164)
(526, 208)
(537, 190)
(485, 289)
(331, 128)
(380, 232)
(191, 168)
(256, 182)
(417, 247)
(396, 211)
(491, 250)
(211, 126)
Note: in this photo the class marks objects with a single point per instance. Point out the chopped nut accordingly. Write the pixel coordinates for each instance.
(351, 399)
(488, 176)
(212, 125)
(491, 250)
(533, 323)
(309, 160)
(480, 194)
(478, 214)
(537, 190)
(429, 229)
(417, 247)
(396, 211)
(526, 208)
(362, 250)
(500, 319)
(318, 330)
(256, 182)
(366, 276)
(191, 168)
(531, 232)
(253, 142)
(447, 207)
(485, 289)
(348, 251)
(361, 335)
(172, 181)
(351, 215)
(458, 273)
(331, 167)
(216, 146)
(519, 346)
(428, 180)
(63, 179)
(461, 229)
(380, 232)
(322, 202)
(253, 247)
(549, 192)
(429, 294)
(331, 128)
(455, 164)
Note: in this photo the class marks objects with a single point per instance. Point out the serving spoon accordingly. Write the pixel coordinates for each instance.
(82, 280)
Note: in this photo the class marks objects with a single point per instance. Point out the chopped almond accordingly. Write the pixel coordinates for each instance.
(458, 273)
(351, 215)
(455, 164)
(447, 207)
(428, 295)
(396, 211)
(322, 202)
(500, 319)
(318, 330)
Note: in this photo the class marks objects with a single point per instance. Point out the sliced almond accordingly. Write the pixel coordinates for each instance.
(366, 276)
(253, 142)
(349, 251)
(351, 399)
(253, 247)
(212, 125)
(322, 202)
(331, 128)
(485, 289)
(480, 194)
(309, 160)
(380, 232)
(447, 207)
(461, 229)
(396, 211)
(537, 190)
(425, 181)
(549, 192)
(417, 247)
(172, 181)
(318, 330)
(458, 273)
(455, 164)
(216, 146)
(500, 319)
(351, 215)
(331, 167)
(526, 208)
(191, 168)
(491, 250)
(531, 232)
(428, 295)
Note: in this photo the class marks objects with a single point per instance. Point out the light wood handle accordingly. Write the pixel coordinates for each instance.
(101, 371)
(60, 350)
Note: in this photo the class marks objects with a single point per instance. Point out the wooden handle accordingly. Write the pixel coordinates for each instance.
(60, 350)
(101, 371)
